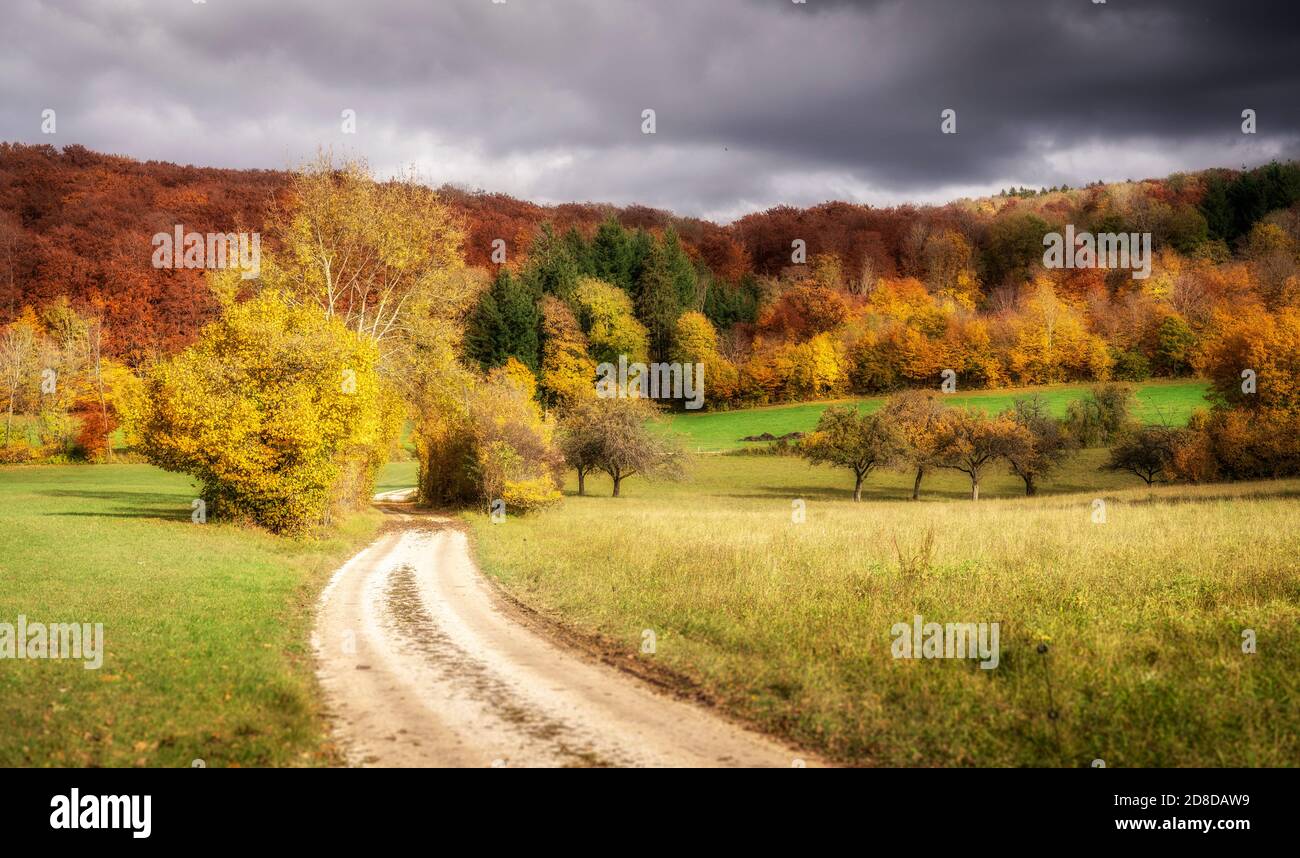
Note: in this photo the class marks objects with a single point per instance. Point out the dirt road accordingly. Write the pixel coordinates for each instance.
(423, 664)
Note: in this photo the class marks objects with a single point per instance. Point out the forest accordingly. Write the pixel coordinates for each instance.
(783, 305)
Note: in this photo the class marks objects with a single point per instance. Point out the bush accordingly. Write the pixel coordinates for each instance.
(276, 410)
(91, 441)
(489, 441)
(525, 496)
(1101, 418)
(20, 452)
(1253, 445)
(1130, 366)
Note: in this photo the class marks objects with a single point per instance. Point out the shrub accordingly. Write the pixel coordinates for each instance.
(525, 496)
(1130, 366)
(20, 451)
(487, 439)
(1102, 417)
(276, 410)
(1247, 445)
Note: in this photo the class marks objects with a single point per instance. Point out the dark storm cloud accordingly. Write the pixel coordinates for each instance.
(757, 101)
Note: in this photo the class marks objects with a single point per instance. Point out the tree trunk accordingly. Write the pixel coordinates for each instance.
(1030, 488)
(103, 408)
(617, 482)
(974, 488)
(857, 486)
(916, 486)
(582, 482)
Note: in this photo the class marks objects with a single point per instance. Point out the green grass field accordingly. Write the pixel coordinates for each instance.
(206, 626)
(788, 625)
(1158, 401)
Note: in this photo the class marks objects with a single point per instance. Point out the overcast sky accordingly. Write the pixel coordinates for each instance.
(757, 102)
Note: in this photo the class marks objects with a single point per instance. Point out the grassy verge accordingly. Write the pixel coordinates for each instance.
(206, 626)
(789, 624)
(1158, 401)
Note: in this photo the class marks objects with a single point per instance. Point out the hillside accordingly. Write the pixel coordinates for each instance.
(76, 223)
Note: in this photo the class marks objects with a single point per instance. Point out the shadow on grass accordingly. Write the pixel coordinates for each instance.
(166, 507)
(1210, 497)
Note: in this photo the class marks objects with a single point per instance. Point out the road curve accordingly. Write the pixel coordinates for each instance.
(422, 664)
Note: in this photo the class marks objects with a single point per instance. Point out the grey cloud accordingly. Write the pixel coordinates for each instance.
(758, 101)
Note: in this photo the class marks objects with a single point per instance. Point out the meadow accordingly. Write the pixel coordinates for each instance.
(788, 625)
(784, 624)
(206, 626)
(1170, 402)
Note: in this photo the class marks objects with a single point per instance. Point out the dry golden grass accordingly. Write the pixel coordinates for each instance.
(789, 624)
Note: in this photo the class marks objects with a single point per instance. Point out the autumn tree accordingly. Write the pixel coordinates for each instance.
(1043, 447)
(848, 438)
(17, 366)
(696, 342)
(1146, 452)
(970, 441)
(580, 438)
(804, 311)
(1052, 342)
(362, 251)
(917, 416)
(1252, 358)
(950, 269)
(606, 316)
(629, 447)
(568, 373)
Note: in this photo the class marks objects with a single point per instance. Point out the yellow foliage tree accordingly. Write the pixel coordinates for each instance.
(606, 314)
(695, 341)
(1051, 343)
(277, 411)
(568, 374)
(366, 252)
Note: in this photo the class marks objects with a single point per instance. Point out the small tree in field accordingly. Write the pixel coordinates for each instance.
(971, 441)
(1044, 449)
(917, 415)
(1147, 453)
(847, 438)
(612, 435)
(580, 438)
